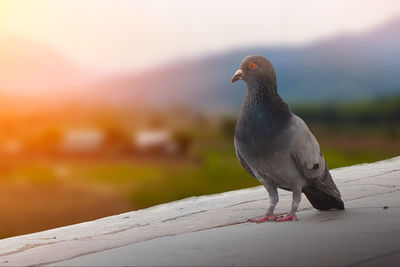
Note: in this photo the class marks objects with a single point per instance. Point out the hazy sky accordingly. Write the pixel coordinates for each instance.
(127, 34)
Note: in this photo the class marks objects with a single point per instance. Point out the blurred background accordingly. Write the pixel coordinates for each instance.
(113, 106)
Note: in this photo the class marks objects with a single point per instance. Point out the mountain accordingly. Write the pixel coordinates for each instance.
(344, 67)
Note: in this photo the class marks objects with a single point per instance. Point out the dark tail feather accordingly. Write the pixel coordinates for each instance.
(322, 200)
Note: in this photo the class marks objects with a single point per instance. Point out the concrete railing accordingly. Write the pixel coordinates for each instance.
(197, 216)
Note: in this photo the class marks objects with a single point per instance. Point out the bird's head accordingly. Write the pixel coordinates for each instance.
(255, 68)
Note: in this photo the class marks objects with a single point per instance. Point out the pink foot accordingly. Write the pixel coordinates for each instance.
(264, 219)
(287, 218)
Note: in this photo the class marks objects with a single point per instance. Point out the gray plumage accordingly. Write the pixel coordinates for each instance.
(275, 146)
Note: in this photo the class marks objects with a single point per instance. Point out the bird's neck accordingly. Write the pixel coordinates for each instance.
(263, 107)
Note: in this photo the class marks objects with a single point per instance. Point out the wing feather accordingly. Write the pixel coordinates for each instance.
(309, 159)
(306, 151)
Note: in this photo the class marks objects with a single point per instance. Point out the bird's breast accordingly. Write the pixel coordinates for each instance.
(269, 156)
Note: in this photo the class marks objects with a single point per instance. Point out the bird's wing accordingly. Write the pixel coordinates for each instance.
(305, 150)
(244, 164)
(309, 159)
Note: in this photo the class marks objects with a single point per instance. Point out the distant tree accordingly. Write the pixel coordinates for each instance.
(116, 138)
(228, 126)
(156, 121)
(46, 141)
(183, 139)
(382, 111)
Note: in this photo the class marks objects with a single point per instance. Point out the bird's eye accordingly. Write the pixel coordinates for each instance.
(252, 65)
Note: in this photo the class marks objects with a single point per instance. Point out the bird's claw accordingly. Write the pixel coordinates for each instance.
(266, 218)
(287, 218)
(274, 218)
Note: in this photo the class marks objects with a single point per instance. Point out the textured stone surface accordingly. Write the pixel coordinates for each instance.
(212, 230)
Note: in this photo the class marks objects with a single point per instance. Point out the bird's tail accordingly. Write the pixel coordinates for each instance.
(323, 194)
(321, 200)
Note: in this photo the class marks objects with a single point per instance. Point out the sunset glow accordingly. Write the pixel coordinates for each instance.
(124, 35)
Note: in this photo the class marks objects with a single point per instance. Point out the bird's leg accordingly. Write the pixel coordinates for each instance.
(295, 204)
(273, 200)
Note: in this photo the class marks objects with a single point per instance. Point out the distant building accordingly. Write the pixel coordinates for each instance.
(82, 140)
(158, 141)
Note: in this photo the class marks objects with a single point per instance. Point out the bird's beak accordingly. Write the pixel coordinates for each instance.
(237, 76)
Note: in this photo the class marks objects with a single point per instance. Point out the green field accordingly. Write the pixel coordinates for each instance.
(41, 190)
(211, 168)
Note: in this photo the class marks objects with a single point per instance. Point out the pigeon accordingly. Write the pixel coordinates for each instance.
(276, 147)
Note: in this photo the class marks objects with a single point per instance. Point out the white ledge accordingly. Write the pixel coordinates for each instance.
(207, 220)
